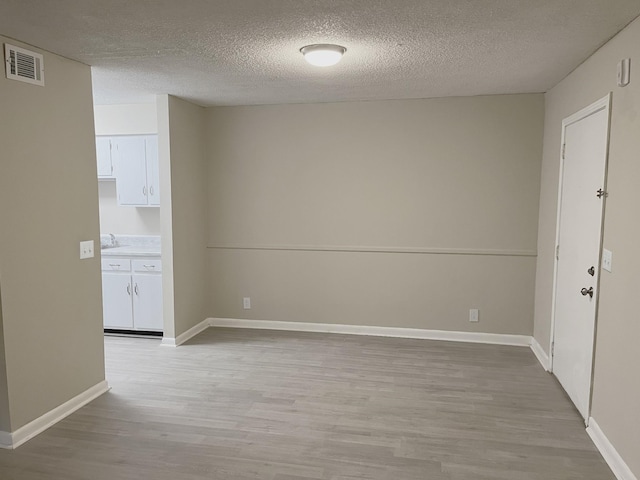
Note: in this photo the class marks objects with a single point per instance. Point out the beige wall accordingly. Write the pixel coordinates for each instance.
(5, 419)
(133, 119)
(616, 394)
(51, 300)
(303, 198)
(184, 216)
(166, 215)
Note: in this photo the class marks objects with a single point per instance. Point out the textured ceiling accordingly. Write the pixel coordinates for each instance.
(235, 52)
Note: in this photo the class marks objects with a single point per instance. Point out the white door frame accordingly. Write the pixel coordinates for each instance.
(602, 104)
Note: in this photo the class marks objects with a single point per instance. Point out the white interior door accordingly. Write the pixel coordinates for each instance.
(581, 208)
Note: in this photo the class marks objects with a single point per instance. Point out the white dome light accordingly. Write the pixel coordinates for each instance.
(323, 55)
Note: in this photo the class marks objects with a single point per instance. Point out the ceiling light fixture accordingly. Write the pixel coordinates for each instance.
(323, 55)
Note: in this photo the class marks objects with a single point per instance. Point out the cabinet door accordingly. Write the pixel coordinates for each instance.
(147, 302)
(116, 301)
(103, 154)
(131, 170)
(153, 170)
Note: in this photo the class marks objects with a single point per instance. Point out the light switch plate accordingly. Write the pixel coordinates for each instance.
(607, 258)
(474, 315)
(246, 303)
(86, 249)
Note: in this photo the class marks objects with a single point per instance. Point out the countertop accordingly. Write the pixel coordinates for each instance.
(131, 251)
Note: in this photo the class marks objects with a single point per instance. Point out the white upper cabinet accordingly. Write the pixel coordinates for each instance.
(137, 170)
(105, 158)
(131, 171)
(153, 170)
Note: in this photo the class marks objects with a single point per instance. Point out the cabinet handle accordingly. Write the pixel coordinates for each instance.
(114, 265)
(129, 288)
(144, 191)
(149, 266)
(151, 190)
(135, 289)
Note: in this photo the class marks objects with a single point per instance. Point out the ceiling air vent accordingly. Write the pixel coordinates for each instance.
(24, 65)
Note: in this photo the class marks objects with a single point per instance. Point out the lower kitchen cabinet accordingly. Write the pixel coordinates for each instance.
(132, 294)
(116, 301)
(147, 302)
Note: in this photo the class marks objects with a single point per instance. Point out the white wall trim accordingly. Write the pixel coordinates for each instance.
(618, 466)
(373, 249)
(23, 434)
(188, 335)
(595, 107)
(540, 354)
(470, 337)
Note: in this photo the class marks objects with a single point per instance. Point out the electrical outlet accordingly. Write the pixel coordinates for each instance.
(86, 249)
(474, 315)
(607, 258)
(246, 303)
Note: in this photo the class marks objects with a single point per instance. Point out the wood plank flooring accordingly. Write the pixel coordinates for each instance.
(243, 404)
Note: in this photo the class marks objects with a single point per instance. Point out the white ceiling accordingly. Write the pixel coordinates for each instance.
(245, 52)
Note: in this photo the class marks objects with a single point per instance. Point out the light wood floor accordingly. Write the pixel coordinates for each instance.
(241, 404)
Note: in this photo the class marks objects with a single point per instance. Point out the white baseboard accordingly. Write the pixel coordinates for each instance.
(23, 434)
(540, 354)
(188, 335)
(472, 337)
(617, 465)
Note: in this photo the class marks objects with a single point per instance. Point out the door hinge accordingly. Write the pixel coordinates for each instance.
(601, 193)
(553, 348)
(564, 149)
(557, 252)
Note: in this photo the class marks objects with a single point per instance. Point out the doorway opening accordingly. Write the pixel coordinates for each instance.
(129, 206)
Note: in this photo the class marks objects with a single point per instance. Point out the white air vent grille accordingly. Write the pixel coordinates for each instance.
(24, 65)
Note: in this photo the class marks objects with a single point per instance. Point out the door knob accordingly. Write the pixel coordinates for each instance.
(586, 292)
(591, 271)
